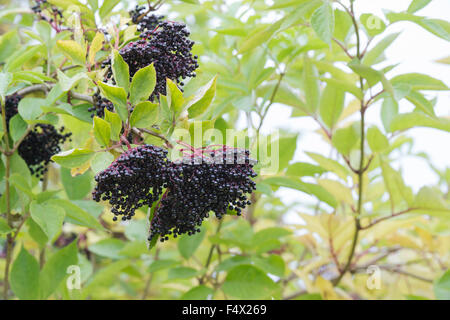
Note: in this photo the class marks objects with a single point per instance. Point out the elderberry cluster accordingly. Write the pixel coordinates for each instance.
(168, 48)
(40, 144)
(142, 20)
(41, 5)
(99, 105)
(134, 179)
(218, 181)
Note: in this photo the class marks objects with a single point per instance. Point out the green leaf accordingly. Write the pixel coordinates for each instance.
(344, 85)
(395, 186)
(377, 140)
(373, 55)
(55, 269)
(182, 273)
(67, 83)
(76, 215)
(417, 119)
(72, 50)
(302, 169)
(102, 131)
(202, 99)
(331, 105)
(24, 276)
(96, 46)
(30, 108)
(73, 158)
(17, 127)
(431, 202)
(372, 24)
(322, 21)
(389, 110)
(22, 184)
(198, 293)
(101, 161)
(416, 5)
(340, 192)
(108, 248)
(120, 71)
(344, 139)
(441, 287)
(249, 282)
(143, 84)
(311, 85)
(107, 7)
(162, 264)
(118, 97)
(49, 217)
(5, 80)
(18, 59)
(4, 228)
(187, 245)
(174, 96)
(287, 182)
(144, 115)
(419, 81)
(115, 122)
(330, 165)
(76, 187)
(272, 264)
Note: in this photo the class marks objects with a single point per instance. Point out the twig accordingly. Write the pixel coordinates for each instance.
(155, 134)
(374, 222)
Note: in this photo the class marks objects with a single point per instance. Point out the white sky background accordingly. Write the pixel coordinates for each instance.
(416, 50)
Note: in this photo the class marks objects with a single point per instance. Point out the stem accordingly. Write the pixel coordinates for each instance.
(149, 281)
(9, 237)
(211, 251)
(362, 169)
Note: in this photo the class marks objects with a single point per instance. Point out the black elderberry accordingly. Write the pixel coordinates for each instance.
(99, 105)
(168, 47)
(143, 20)
(40, 144)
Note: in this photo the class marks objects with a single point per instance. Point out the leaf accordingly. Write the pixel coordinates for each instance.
(419, 81)
(202, 99)
(330, 165)
(107, 7)
(311, 85)
(49, 217)
(4, 228)
(30, 108)
(287, 183)
(24, 276)
(430, 201)
(174, 96)
(120, 71)
(108, 248)
(182, 273)
(200, 292)
(144, 115)
(441, 287)
(338, 190)
(76, 187)
(55, 269)
(115, 122)
(102, 131)
(18, 59)
(272, 264)
(118, 97)
(96, 46)
(76, 215)
(5, 80)
(301, 169)
(162, 264)
(377, 140)
(322, 21)
(344, 139)
(372, 24)
(344, 85)
(187, 245)
(249, 282)
(73, 158)
(331, 105)
(372, 56)
(142, 84)
(416, 119)
(389, 110)
(101, 161)
(17, 127)
(416, 5)
(72, 50)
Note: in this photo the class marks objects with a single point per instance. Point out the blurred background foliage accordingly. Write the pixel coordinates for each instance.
(320, 58)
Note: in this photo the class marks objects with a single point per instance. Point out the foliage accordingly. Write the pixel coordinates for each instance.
(319, 58)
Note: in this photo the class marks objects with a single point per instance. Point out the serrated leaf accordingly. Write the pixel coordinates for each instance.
(73, 158)
(49, 217)
(142, 84)
(96, 46)
(24, 276)
(102, 131)
(144, 115)
(202, 99)
(121, 70)
(115, 122)
(118, 97)
(322, 21)
(72, 50)
(377, 140)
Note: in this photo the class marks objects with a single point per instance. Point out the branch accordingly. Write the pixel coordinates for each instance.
(45, 87)
(155, 134)
(374, 222)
